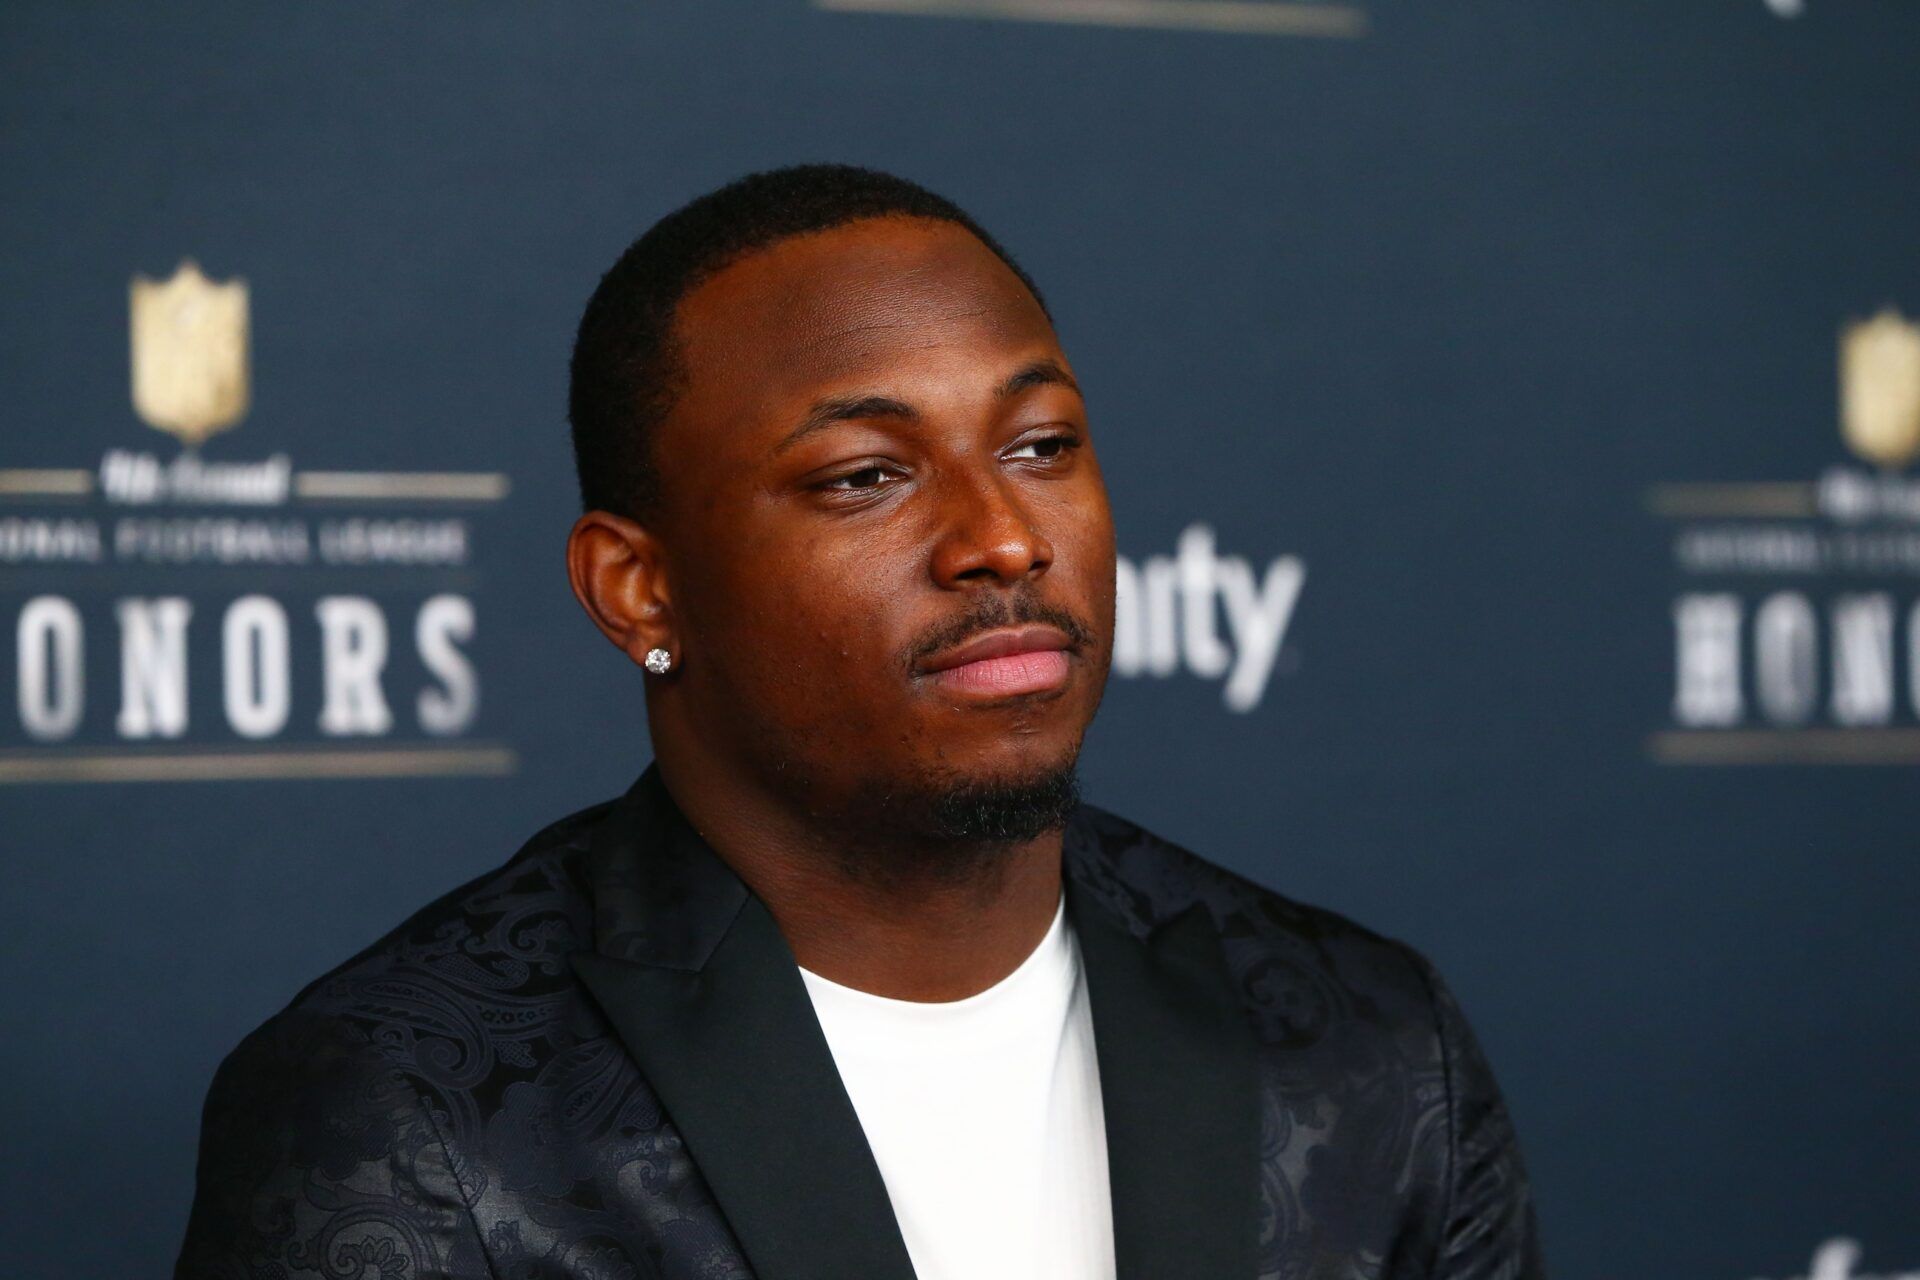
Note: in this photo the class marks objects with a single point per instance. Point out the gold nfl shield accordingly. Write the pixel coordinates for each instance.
(189, 353)
(1880, 388)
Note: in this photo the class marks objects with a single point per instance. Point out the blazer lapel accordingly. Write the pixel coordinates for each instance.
(1178, 1082)
(700, 986)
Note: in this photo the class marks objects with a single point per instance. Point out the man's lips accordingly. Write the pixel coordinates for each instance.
(1003, 663)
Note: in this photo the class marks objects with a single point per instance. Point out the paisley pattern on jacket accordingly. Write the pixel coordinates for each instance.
(455, 1101)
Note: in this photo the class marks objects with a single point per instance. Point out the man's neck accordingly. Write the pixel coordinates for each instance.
(914, 931)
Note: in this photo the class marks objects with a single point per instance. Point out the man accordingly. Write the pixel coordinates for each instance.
(849, 984)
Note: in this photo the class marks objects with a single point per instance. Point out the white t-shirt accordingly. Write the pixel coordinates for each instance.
(984, 1116)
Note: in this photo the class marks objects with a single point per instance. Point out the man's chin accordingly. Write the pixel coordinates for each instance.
(1003, 810)
(953, 826)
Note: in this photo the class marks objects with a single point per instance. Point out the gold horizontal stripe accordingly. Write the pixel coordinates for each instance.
(1245, 17)
(1785, 499)
(61, 481)
(442, 486)
(1786, 746)
(228, 766)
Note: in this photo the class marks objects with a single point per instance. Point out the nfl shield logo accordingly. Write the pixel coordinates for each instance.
(1880, 388)
(189, 353)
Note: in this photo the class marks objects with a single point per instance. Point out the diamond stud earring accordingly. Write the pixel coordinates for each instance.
(659, 661)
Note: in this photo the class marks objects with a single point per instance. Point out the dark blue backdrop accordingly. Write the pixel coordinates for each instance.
(1469, 315)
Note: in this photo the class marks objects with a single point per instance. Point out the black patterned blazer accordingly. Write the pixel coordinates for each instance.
(599, 1061)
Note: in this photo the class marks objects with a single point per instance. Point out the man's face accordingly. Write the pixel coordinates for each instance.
(878, 467)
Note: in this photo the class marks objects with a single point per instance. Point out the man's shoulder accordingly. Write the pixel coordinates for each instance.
(343, 1097)
(1293, 962)
(487, 956)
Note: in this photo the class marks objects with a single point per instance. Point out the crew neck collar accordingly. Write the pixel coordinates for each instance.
(1050, 962)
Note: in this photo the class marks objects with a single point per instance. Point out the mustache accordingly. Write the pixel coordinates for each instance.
(990, 611)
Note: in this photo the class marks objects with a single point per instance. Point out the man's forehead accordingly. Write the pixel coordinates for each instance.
(829, 303)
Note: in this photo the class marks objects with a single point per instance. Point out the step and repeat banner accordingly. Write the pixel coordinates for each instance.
(1511, 414)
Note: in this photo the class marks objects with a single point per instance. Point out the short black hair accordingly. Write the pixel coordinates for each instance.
(626, 372)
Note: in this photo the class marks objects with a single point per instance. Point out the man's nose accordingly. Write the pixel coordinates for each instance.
(987, 533)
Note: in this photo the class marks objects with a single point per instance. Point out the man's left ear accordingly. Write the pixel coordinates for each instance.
(618, 571)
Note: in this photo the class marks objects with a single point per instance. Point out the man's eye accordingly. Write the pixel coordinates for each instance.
(864, 478)
(1045, 447)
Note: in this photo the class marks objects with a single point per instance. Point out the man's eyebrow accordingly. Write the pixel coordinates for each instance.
(844, 409)
(1044, 372)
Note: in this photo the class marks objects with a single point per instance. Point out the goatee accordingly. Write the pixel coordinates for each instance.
(954, 830)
